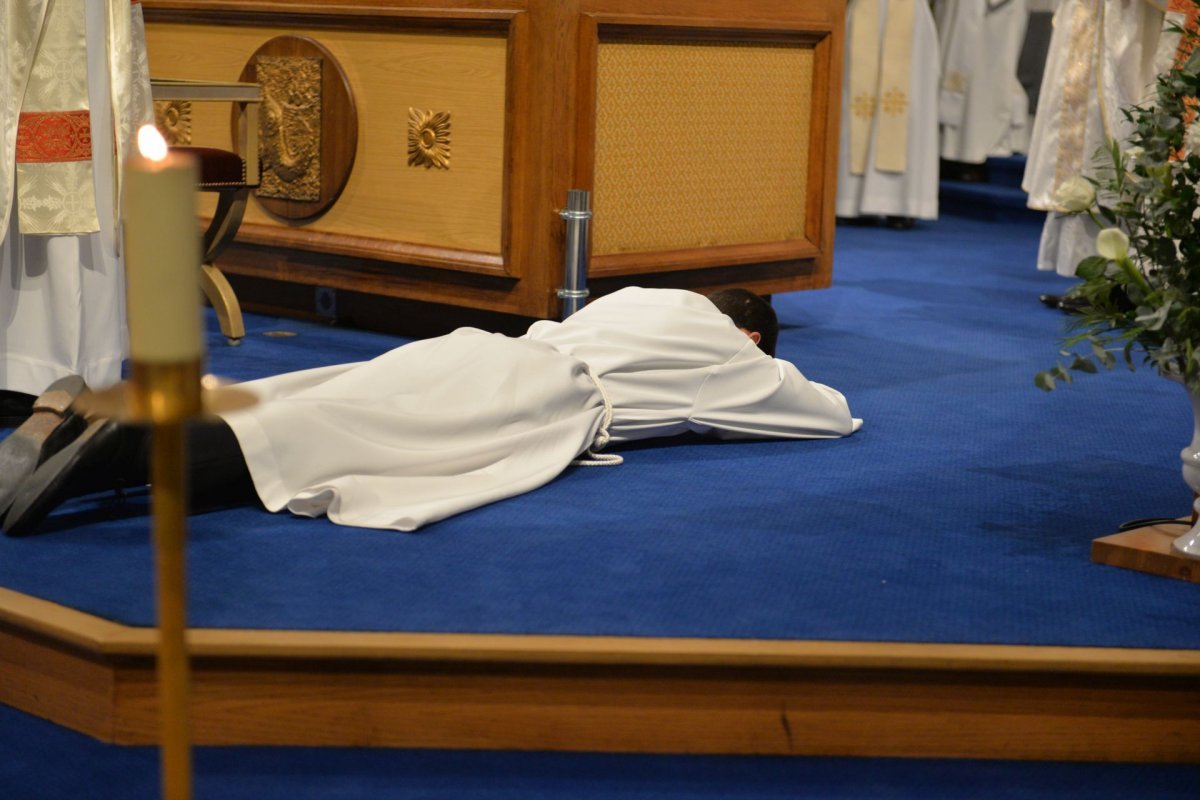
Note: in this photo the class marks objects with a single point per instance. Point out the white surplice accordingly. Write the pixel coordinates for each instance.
(912, 192)
(441, 426)
(1079, 110)
(983, 109)
(62, 296)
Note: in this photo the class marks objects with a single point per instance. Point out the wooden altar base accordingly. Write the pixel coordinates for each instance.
(610, 694)
(1147, 550)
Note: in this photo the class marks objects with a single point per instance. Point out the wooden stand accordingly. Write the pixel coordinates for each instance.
(1148, 550)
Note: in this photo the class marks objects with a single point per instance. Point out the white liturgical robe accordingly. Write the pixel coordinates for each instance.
(444, 425)
(1101, 60)
(908, 188)
(74, 85)
(983, 109)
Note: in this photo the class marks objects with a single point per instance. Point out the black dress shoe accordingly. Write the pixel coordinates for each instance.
(1050, 300)
(1064, 303)
(1073, 305)
(52, 425)
(85, 465)
(15, 408)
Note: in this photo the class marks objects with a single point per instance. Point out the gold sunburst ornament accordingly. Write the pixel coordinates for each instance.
(173, 118)
(428, 138)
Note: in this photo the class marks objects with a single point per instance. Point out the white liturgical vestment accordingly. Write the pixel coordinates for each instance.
(1101, 60)
(907, 185)
(444, 425)
(983, 108)
(74, 85)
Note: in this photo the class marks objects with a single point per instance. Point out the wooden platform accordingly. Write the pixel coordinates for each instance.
(610, 694)
(1148, 550)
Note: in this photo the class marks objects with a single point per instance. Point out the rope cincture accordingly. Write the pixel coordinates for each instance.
(590, 457)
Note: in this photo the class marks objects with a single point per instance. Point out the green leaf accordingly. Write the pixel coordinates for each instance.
(1084, 364)
(1061, 374)
(1091, 268)
(1102, 355)
(1044, 382)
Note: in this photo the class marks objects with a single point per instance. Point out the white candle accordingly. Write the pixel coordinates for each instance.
(162, 253)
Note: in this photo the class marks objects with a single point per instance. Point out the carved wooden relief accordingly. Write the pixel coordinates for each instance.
(308, 128)
(428, 138)
(173, 118)
(290, 140)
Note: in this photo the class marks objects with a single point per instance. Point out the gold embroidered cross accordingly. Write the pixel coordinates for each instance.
(863, 106)
(894, 102)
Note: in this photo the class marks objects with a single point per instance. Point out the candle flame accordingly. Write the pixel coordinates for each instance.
(151, 144)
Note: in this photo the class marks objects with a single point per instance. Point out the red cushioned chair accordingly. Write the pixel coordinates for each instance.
(231, 176)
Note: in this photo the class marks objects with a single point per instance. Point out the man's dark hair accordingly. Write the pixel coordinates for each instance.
(750, 311)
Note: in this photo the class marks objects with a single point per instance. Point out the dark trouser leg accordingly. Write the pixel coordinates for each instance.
(109, 456)
(217, 474)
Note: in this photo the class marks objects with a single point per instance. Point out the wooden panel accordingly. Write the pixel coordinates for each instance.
(748, 710)
(610, 693)
(389, 72)
(40, 676)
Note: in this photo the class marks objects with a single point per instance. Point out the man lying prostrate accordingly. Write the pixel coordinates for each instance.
(440, 426)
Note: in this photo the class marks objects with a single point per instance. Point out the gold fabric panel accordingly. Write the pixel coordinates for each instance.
(700, 144)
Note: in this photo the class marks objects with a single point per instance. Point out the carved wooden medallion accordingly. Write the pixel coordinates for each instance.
(173, 118)
(308, 127)
(428, 138)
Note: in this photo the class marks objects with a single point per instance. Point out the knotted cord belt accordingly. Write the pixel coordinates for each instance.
(590, 457)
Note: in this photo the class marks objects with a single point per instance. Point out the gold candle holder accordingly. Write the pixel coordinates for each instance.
(166, 396)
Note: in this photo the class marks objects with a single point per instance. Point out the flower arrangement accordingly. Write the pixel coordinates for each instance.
(1140, 294)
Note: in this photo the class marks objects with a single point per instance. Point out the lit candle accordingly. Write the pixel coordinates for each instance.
(162, 253)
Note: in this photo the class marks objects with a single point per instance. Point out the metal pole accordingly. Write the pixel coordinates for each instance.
(578, 215)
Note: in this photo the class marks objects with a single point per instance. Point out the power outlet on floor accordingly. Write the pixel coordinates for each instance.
(325, 302)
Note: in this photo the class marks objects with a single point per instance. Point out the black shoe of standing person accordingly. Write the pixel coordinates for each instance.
(1050, 300)
(1065, 303)
(88, 464)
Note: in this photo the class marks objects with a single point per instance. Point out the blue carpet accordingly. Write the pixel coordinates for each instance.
(44, 762)
(962, 512)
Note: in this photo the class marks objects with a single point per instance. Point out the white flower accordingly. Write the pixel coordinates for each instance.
(1075, 194)
(1113, 244)
(1191, 139)
(1134, 153)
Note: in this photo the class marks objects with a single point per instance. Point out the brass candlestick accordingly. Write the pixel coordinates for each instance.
(166, 397)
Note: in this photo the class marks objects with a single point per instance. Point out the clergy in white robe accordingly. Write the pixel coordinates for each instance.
(1101, 60)
(441, 426)
(73, 87)
(888, 158)
(982, 107)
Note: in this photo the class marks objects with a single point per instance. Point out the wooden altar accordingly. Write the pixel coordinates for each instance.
(705, 130)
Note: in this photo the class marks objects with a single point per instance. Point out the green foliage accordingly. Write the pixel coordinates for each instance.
(1146, 302)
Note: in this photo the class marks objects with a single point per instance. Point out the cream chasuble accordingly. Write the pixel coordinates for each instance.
(1101, 60)
(887, 162)
(74, 88)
